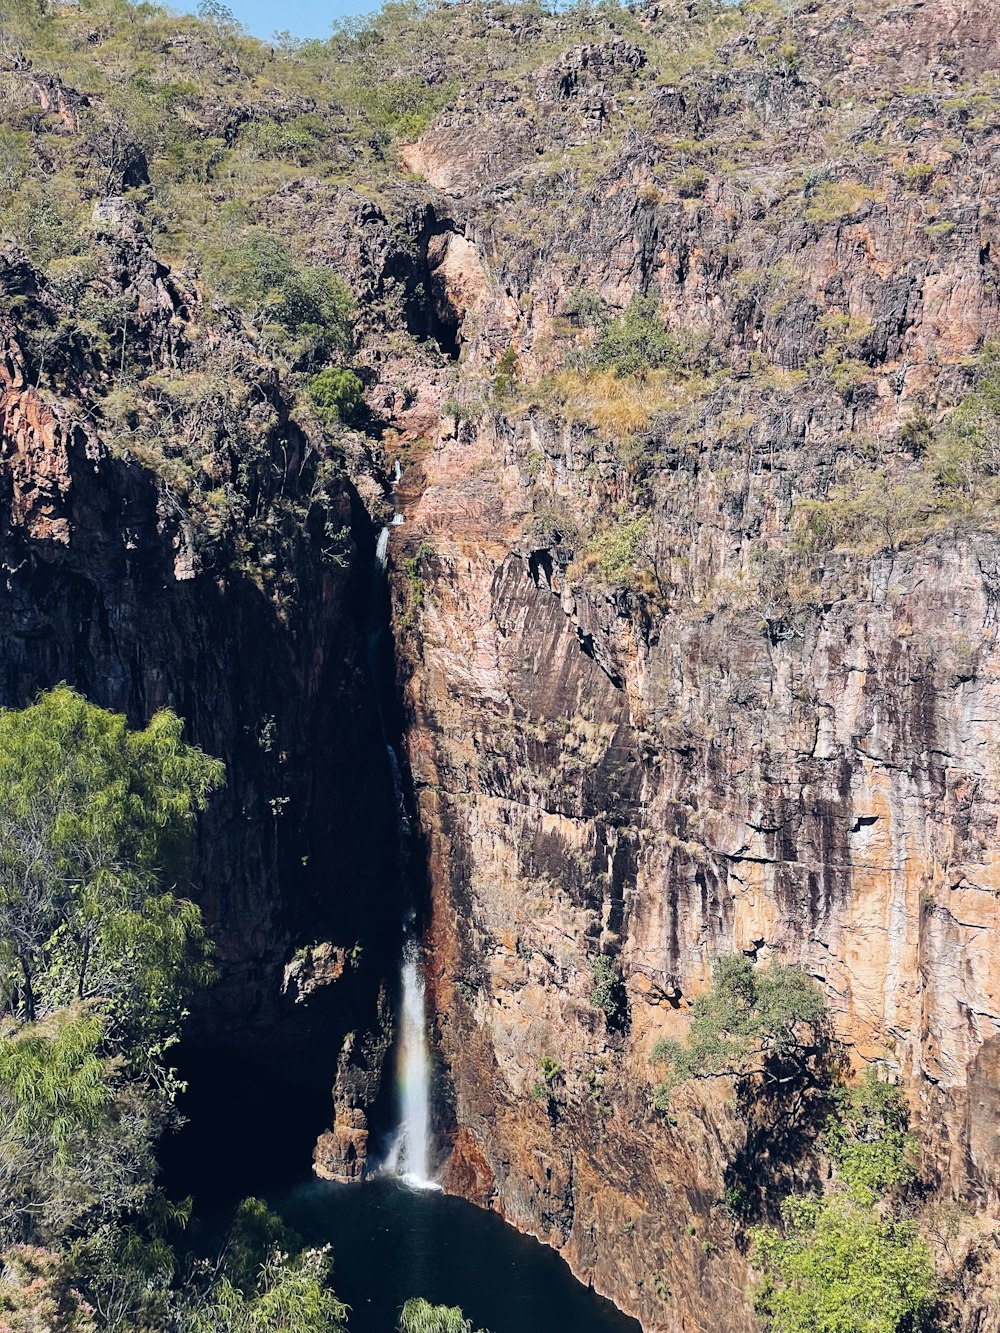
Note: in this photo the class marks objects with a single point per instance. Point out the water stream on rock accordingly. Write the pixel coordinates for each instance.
(398, 1234)
(410, 1152)
(412, 1149)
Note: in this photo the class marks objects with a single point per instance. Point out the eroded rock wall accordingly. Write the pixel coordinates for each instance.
(112, 585)
(788, 760)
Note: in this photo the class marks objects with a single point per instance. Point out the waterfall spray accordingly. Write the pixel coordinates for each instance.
(414, 1074)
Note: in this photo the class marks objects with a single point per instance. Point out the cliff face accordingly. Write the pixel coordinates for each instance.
(697, 634)
(250, 623)
(750, 740)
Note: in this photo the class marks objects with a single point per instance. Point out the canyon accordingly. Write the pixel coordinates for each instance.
(686, 664)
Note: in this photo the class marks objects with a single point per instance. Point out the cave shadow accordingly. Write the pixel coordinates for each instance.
(254, 1139)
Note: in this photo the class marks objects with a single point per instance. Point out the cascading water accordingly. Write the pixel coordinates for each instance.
(410, 1153)
(412, 1142)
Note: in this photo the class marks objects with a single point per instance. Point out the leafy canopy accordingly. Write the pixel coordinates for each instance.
(841, 1268)
(868, 1138)
(96, 956)
(95, 821)
(337, 394)
(304, 307)
(419, 1316)
(747, 1023)
(839, 1263)
(266, 1282)
(637, 342)
(53, 1082)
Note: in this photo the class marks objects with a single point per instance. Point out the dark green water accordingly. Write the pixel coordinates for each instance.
(391, 1242)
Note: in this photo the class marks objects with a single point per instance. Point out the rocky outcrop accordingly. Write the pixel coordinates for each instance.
(114, 583)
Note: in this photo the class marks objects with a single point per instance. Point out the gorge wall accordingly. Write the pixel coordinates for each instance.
(117, 585)
(748, 740)
(696, 655)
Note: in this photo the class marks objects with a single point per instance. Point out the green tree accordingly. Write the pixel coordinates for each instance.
(96, 955)
(265, 1283)
(846, 1261)
(868, 1138)
(95, 823)
(768, 1022)
(608, 992)
(839, 1267)
(419, 1316)
(76, 1134)
(637, 342)
(255, 1233)
(305, 307)
(337, 394)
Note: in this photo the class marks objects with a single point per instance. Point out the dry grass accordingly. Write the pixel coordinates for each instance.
(616, 406)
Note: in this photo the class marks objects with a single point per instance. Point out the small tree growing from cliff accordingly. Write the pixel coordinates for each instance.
(767, 1030)
(769, 1024)
(836, 1263)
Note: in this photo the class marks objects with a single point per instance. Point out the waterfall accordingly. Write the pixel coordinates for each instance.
(410, 1153)
(412, 1142)
(381, 554)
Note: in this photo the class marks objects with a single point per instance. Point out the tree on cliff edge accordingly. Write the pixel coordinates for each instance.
(97, 955)
(767, 1024)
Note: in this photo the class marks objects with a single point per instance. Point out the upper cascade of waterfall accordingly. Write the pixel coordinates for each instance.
(382, 548)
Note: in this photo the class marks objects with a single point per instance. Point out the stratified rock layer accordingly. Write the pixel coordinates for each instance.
(727, 762)
(110, 584)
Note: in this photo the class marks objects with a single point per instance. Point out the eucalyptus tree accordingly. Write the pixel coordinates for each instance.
(97, 953)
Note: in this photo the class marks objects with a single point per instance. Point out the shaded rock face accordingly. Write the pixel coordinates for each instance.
(109, 585)
(719, 765)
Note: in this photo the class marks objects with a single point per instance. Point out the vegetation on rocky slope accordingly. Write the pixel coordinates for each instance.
(848, 1256)
(727, 343)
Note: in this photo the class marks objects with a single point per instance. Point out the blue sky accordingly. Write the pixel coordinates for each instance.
(302, 18)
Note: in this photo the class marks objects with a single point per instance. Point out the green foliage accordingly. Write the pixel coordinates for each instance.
(505, 376)
(419, 1316)
(96, 955)
(846, 1262)
(637, 342)
(839, 1267)
(255, 1233)
(619, 553)
(748, 1019)
(691, 182)
(414, 582)
(289, 1295)
(13, 159)
(608, 993)
(545, 1090)
(337, 394)
(549, 1069)
(956, 475)
(304, 308)
(54, 1085)
(868, 1139)
(585, 308)
(871, 511)
(94, 818)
